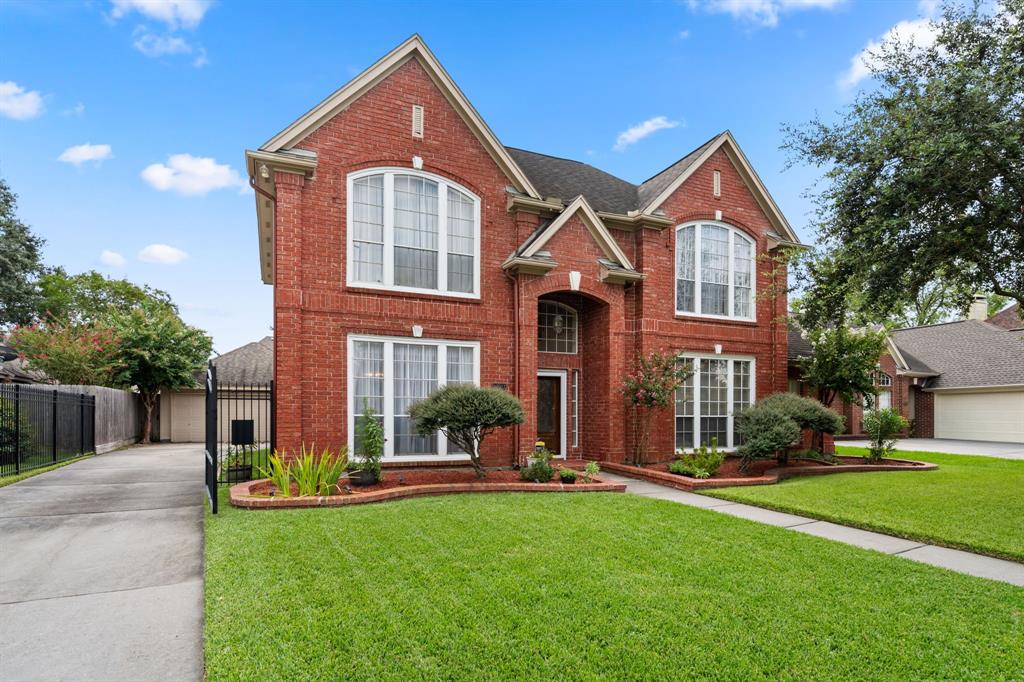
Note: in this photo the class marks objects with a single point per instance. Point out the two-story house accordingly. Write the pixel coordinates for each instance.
(409, 248)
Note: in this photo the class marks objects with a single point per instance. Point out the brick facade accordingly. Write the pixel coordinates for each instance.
(315, 311)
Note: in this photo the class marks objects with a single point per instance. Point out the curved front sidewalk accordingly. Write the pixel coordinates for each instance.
(101, 569)
(953, 559)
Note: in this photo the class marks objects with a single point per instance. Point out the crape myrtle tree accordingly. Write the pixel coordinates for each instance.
(68, 353)
(924, 171)
(466, 415)
(652, 386)
(157, 351)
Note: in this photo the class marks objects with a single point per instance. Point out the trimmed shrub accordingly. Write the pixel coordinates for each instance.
(539, 472)
(881, 426)
(808, 413)
(701, 463)
(765, 432)
(466, 415)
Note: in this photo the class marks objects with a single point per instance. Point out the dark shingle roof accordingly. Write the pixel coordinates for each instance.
(799, 347)
(653, 186)
(965, 353)
(567, 179)
(252, 363)
(1008, 318)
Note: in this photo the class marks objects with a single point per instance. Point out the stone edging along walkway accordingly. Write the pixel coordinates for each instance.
(770, 476)
(241, 495)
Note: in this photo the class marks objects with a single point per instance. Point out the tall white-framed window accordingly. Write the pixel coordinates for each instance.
(715, 271)
(575, 408)
(706, 405)
(557, 327)
(415, 231)
(883, 383)
(391, 373)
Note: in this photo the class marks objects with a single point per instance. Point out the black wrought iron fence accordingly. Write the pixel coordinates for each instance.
(43, 426)
(240, 432)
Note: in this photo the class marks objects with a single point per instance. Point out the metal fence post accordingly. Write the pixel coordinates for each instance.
(17, 429)
(53, 434)
(273, 418)
(81, 423)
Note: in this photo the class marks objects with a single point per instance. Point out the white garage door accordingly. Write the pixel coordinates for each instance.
(187, 418)
(980, 416)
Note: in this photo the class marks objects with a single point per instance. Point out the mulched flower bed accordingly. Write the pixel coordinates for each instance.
(762, 472)
(400, 483)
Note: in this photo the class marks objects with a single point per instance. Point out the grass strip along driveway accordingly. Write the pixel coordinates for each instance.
(560, 586)
(972, 503)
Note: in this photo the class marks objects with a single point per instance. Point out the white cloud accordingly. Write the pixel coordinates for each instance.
(76, 110)
(18, 103)
(82, 153)
(174, 13)
(163, 254)
(917, 32)
(634, 134)
(111, 258)
(684, 34)
(200, 60)
(761, 12)
(153, 45)
(192, 175)
(928, 8)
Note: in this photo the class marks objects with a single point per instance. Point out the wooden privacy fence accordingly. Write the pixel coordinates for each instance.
(119, 415)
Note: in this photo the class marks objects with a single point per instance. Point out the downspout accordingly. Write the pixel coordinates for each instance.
(515, 353)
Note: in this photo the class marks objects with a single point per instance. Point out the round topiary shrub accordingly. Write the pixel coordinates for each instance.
(765, 432)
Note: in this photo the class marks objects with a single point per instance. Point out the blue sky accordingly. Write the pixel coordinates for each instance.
(123, 123)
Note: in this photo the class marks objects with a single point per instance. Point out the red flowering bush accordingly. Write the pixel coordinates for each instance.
(68, 353)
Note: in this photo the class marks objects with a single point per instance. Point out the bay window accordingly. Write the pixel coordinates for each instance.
(412, 231)
(390, 374)
(714, 271)
(707, 402)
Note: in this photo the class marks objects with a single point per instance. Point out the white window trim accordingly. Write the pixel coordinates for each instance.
(730, 415)
(575, 408)
(443, 184)
(576, 329)
(562, 379)
(389, 392)
(733, 231)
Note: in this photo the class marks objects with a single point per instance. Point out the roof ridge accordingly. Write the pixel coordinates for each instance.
(936, 324)
(702, 144)
(582, 163)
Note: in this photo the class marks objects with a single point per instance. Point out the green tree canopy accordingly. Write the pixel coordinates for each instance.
(20, 263)
(157, 351)
(924, 173)
(91, 296)
(843, 363)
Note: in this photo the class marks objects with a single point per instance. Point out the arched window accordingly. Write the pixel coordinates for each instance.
(556, 328)
(715, 271)
(412, 231)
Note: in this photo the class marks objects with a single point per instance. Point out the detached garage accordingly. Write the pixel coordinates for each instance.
(242, 375)
(973, 371)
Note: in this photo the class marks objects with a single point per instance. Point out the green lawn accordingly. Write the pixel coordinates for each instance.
(581, 586)
(14, 478)
(973, 503)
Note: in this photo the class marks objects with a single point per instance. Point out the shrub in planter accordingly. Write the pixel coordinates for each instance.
(370, 448)
(590, 472)
(280, 474)
(765, 431)
(567, 475)
(701, 463)
(466, 414)
(540, 455)
(881, 426)
(808, 413)
(538, 472)
(318, 475)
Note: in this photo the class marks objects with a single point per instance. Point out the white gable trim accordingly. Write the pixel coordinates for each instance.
(413, 48)
(895, 352)
(747, 173)
(597, 229)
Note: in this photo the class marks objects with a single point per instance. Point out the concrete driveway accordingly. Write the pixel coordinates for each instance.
(101, 569)
(953, 447)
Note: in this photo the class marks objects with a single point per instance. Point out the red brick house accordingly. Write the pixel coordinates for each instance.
(409, 248)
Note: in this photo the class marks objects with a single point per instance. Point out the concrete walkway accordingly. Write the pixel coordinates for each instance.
(955, 560)
(952, 447)
(101, 569)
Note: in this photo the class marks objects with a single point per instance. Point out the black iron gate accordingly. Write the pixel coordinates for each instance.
(240, 433)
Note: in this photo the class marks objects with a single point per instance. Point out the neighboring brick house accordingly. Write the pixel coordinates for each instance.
(959, 380)
(409, 248)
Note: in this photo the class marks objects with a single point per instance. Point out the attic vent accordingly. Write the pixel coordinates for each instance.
(717, 183)
(417, 120)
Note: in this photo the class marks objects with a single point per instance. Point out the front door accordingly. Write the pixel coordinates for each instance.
(549, 412)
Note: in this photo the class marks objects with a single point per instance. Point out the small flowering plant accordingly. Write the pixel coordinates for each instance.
(650, 387)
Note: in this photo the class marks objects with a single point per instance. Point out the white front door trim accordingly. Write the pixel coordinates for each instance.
(563, 385)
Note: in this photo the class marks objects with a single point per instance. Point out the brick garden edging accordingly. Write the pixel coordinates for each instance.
(769, 477)
(240, 495)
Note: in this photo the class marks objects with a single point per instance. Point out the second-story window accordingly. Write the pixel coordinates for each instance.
(412, 231)
(714, 271)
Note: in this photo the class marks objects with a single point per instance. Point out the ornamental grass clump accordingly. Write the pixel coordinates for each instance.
(313, 475)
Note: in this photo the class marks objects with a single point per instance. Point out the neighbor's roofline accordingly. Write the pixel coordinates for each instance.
(412, 48)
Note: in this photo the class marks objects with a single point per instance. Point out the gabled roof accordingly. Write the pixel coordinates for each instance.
(565, 178)
(252, 363)
(1008, 318)
(965, 354)
(598, 231)
(412, 48)
(652, 187)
